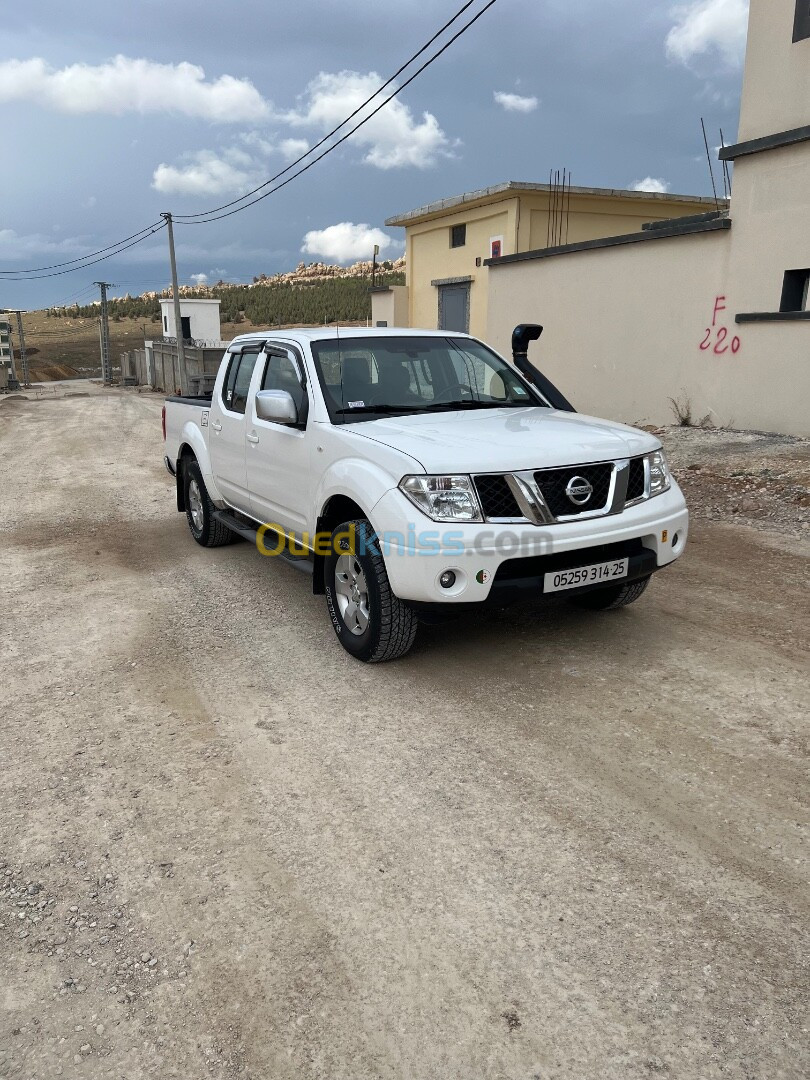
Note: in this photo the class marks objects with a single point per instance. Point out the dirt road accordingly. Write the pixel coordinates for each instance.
(545, 844)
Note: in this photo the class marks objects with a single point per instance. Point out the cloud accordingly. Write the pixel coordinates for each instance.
(660, 187)
(257, 142)
(15, 246)
(207, 172)
(199, 279)
(706, 26)
(293, 148)
(393, 138)
(345, 242)
(125, 84)
(515, 102)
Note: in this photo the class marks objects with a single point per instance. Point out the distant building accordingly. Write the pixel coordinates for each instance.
(6, 351)
(447, 243)
(199, 318)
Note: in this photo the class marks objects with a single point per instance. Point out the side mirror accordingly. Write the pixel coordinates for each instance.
(276, 406)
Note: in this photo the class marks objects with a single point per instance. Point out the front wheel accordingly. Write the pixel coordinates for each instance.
(371, 622)
(613, 596)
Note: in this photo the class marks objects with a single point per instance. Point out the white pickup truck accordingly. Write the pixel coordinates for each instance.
(412, 471)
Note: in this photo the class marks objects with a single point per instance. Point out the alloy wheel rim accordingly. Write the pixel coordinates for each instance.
(195, 505)
(352, 594)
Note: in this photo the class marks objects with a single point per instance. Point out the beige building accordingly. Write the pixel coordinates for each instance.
(447, 243)
(714, 311)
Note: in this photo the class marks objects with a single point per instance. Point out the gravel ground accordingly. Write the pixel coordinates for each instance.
(545, 844)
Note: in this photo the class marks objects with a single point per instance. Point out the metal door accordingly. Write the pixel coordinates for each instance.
(454, 308)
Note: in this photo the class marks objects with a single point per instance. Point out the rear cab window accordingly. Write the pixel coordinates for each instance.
(236, 384)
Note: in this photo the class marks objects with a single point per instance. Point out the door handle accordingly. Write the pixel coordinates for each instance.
(252, 437)
(215, 424)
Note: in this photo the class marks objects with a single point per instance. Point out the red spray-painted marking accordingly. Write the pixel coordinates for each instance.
(716, 337)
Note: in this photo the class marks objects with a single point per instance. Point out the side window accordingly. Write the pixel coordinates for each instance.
(242, 382)
(230, 377)
(282, 374)
(237, 381)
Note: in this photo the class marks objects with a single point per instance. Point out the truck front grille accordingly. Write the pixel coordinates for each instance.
(553, 484)
(551, 500)
(497, 500)
(635, 481)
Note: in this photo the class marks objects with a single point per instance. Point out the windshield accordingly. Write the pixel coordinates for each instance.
(370, 377)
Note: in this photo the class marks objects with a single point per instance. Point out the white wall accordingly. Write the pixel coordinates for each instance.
(776, 90)
(624, 328)
(390, 306)
(204, 315)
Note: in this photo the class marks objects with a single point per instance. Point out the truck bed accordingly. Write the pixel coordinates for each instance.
(201, 400)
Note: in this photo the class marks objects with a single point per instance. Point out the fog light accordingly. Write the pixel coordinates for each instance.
(675, 539)
(447, 580)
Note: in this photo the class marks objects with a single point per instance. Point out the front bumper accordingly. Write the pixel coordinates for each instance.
(496, 563)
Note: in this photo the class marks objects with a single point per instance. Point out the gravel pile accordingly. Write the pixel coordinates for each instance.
(744, 477)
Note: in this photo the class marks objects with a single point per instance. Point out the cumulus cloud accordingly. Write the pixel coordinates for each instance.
(707, 26)
(293, 148)
(392, 139)
(257, 142)
(126, 84)
(650, 183)
(200, 279)
(207, 172)
(14, 245)
(345, 242)
(515, 102)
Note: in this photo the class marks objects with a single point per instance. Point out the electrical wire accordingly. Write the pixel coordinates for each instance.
(335, 130)
(58, 273)
(348, 135)
(90, 255)
(202, 218)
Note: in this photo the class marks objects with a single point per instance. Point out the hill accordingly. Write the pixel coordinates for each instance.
(65, 340)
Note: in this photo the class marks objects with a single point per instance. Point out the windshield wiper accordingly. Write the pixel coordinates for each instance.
(387, 409)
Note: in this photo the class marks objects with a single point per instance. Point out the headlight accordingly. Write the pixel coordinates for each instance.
(660, 479)
(443, 498)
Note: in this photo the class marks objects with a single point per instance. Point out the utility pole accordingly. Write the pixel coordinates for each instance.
(374, 266)
(178, 322)
(106, 366)
(23, 357)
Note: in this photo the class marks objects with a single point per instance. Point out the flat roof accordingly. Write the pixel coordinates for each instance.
(189, 300)
(515, 187)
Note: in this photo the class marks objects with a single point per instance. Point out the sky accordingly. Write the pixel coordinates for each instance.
(114, 113)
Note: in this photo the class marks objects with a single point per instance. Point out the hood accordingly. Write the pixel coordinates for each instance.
(507, 440)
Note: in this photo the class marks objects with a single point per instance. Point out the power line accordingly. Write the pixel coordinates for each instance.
(348, 135)
(202, 218)
(84, 266)
(81, 258)
(335, 130)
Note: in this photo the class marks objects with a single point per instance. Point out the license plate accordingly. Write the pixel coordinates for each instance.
(586, 575)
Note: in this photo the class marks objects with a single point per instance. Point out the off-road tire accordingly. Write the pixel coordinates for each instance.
(612, 597)
(392, 624)
(208, 532)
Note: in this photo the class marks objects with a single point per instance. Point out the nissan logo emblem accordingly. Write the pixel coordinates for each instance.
(578, 490)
